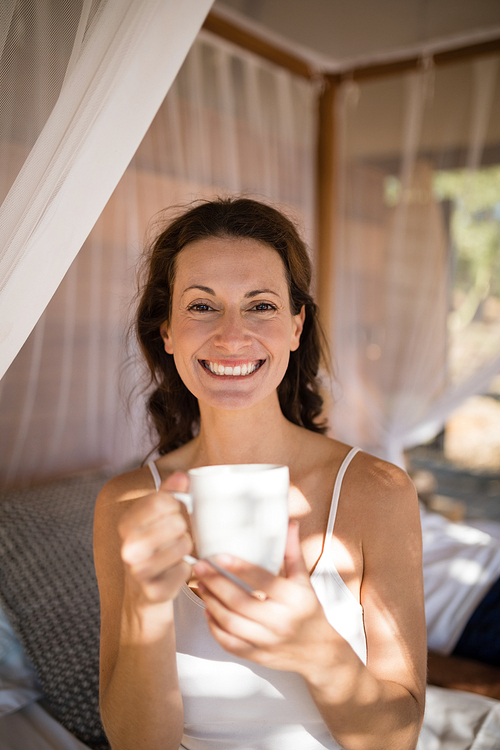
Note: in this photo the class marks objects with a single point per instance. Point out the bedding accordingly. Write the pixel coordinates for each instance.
(32, 728)
(460, 564)
(456, 720)
(48, 591)
(18, 683)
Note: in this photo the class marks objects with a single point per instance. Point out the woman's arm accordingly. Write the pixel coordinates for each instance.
(386, 702)
(373, 707)
(138, 549)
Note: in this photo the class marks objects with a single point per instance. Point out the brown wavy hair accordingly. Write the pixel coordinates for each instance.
(173, 409)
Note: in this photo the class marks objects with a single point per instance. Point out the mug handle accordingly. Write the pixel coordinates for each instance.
(185, 498)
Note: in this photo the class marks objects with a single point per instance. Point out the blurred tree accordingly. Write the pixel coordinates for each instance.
(475, 238)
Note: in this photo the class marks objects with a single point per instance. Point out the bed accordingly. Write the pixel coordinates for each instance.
(49, 632)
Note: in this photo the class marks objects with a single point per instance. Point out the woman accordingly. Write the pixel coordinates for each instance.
(230, 334)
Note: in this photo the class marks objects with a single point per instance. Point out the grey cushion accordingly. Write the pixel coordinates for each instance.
(49, 592)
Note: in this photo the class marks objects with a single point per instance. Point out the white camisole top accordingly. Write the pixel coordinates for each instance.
(234, 704)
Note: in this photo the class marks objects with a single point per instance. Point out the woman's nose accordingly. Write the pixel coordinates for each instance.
(232, 333)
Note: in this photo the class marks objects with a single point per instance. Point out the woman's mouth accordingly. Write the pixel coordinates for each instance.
(241, 370)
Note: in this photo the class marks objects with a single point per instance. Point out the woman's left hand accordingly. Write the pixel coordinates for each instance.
(287, 631)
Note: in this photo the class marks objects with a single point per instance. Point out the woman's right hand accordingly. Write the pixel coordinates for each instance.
(155, 538)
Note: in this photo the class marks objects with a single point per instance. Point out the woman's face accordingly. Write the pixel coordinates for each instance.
(231, 329)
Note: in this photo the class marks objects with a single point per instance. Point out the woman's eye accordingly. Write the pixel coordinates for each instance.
(263, 307)
(200, 307)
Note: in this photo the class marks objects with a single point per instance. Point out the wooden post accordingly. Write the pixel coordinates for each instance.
(326, 200)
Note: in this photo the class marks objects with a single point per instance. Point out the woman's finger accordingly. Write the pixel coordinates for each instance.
(177, 482)
(153, 508)
(255, 577)
(295, 566)
(274, 588)
(243, 637)
(147, 511)
(244, 621)
(162, 559)
(143, 542)
(166, 585)
(228, 641)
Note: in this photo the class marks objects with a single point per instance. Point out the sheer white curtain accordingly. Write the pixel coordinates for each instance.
(230, 123)
(417, 153)
(81, 83)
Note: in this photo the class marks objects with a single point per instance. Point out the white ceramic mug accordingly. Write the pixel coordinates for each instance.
(240, 509)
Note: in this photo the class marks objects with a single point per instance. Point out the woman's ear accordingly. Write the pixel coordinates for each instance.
(298, 325)
(167, 340)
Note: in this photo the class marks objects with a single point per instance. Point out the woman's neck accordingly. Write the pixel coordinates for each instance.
(260, 434)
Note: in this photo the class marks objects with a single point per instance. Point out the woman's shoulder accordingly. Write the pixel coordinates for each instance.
(381, 480)
(368, 481)
(138, 482)
(334, 452)
(380, 496)
(129, 485)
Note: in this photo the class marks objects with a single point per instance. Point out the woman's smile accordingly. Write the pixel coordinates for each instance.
(239, 370)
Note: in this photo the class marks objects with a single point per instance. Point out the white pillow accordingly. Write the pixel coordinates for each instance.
(18, 683)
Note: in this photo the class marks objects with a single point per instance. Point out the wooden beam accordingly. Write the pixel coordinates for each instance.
(447, 57)
(252, 43)
(299, 66)
(383, 69)
(465, 53)
(326, 201)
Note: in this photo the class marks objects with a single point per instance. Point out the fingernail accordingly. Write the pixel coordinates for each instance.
(260, 595)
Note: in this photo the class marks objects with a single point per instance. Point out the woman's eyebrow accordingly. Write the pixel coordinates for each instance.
(205, 289)
(208, 290)
(261, 291)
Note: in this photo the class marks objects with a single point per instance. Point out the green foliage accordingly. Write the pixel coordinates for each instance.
(475, 234)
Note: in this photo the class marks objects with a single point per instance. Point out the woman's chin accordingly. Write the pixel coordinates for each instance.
(228, 400)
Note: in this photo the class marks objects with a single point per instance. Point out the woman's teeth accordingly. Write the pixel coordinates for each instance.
(240, 370)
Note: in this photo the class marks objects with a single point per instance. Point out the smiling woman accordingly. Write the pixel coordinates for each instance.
(242, 322)
(226, 226)
(332, 652)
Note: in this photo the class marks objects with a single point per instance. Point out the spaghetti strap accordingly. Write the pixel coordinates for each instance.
(336, 495)
(156, 474)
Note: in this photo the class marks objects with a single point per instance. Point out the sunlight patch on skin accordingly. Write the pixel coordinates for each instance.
(298, 503)
(392, 656)
(312, 546)
(393, 652)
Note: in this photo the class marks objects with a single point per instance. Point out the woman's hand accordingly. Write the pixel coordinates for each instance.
(154, 540)
(288, 631)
